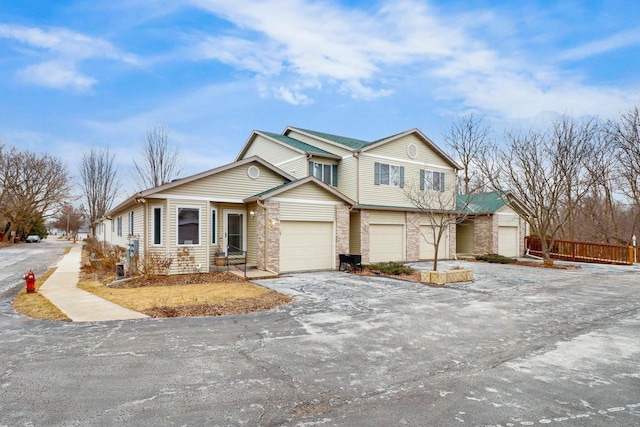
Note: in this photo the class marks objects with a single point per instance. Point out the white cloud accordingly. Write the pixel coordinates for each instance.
(66, 50)
(598, 47)
(56, 74)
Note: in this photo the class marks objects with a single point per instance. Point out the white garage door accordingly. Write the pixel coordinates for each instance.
(306, 245)
(427, 250)
(386, 242)
(508, 241)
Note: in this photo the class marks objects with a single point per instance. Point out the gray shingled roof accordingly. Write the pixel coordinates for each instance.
(343, 140)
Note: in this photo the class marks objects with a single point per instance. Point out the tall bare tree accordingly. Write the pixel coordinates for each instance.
(470, 138)
(547, 171)
(437, 205)
(159, 163)
(34, 186)
(100, 183)
(624, 134)
(70, 219)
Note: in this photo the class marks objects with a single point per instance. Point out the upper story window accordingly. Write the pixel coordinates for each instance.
(431, 180)
(391, 175)
(325, 172)
(188, 226)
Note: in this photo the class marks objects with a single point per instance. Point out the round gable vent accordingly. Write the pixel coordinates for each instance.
(412, 150)
(253, 172)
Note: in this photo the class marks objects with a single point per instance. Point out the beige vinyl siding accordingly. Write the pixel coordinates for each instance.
(138, 227)
(304, 211)
(200, 252)
(298, 168)
(386, 217)
(271, 151)
(354, 233)
(252, 236)
(464, 238)
(398, 150)
(508, 217)
(318, 143)
(347, 177)
(231, 184)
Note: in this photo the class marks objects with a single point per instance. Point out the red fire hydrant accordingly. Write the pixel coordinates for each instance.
(31, 282)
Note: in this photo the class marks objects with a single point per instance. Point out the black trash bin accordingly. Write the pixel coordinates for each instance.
(120, 271)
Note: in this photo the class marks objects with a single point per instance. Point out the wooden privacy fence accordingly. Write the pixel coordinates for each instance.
(572, 250)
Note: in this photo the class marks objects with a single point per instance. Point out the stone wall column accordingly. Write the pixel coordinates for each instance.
(364, 236)
(453, 248)
(342, 231)
(482, 234)
(273, 237)
(413, 238)
(260, 237)
(495, 228)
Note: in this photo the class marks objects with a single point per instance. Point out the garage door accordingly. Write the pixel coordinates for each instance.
(508, 241)
(306, 245)
(427, 251)
(386, 242)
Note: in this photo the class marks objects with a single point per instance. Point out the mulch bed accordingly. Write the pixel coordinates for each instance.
(266, 301)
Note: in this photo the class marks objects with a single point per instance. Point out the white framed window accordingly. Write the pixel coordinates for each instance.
(431, 180)
(119, 226)
(325, 172)
(188, 225)
(214, 226)
(390, 175)
(131, 223)
(156, 224)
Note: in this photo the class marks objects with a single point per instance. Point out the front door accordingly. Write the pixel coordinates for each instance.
(235, 238)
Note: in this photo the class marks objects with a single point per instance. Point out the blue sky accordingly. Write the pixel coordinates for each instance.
(76, 74)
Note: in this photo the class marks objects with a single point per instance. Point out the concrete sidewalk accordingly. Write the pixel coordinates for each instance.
(81, 306)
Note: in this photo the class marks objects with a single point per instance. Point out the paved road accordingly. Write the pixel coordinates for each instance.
(519, 346)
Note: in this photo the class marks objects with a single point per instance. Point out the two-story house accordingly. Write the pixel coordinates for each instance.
(295, 201)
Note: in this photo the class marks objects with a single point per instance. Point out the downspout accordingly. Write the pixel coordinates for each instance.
(356, 154)
(145, 231)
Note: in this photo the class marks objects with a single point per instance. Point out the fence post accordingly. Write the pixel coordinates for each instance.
(632, 252)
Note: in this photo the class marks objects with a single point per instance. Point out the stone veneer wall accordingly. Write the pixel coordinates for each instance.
(273, 237)
(482, 234)
(342, 231)
(413, 237)
(521, 235)
(364, 236)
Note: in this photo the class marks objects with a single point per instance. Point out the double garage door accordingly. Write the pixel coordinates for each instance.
(306, 245)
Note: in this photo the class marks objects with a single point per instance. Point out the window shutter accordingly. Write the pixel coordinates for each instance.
(441, 181)
(401, 176)
(376, 178)
(310, 168)
(421, 179)
(334, 173)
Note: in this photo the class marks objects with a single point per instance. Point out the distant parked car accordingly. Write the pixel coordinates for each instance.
(33, 238)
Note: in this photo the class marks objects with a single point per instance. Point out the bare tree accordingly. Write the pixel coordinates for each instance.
(99, 183)
(160, 163)
(33, 188)
(548, 172)
(470, 138)
(70, 219)
(437, 205)
(624, 134)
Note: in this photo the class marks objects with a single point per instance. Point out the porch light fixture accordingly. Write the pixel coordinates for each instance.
(252, 213)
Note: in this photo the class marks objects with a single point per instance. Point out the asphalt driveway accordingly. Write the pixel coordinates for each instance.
(518, 346)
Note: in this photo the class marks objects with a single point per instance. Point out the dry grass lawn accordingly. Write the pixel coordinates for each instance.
(205, 294)
(36, 306)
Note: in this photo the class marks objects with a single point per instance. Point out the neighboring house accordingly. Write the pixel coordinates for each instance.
(294, 201)
(497, 223)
